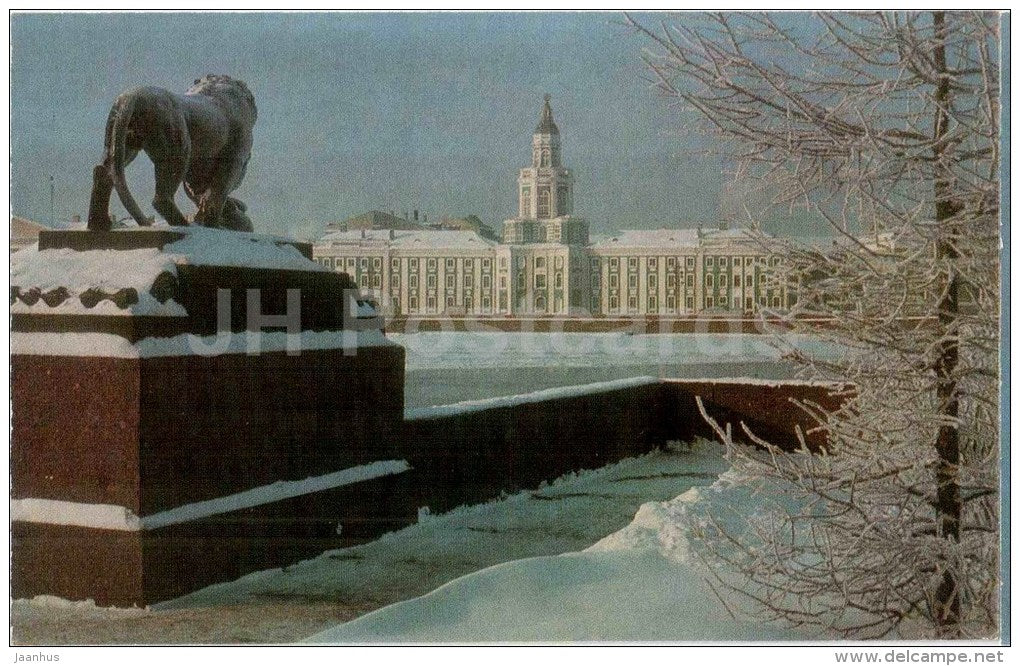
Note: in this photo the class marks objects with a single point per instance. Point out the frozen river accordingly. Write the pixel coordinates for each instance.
(451, 367)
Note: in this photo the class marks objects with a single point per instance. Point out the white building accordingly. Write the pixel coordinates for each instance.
(546, 264)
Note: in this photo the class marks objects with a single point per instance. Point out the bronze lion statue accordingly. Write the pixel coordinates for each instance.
(202, 138)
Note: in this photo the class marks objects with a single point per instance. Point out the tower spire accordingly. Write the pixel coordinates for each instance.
(546, 125)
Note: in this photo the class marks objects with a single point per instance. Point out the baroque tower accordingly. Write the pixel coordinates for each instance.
(545, 192)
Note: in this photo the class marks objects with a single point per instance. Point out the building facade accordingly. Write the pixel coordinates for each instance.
(546, 264)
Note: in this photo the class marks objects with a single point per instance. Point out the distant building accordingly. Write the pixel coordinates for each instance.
(24, 232)
(469, 223)
(546, 264)
(376, 219)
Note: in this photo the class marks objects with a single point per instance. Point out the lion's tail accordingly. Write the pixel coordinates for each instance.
(116, 146)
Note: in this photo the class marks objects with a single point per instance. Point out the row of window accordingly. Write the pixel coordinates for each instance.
(689, 262)
(375, 263)
(671, 303)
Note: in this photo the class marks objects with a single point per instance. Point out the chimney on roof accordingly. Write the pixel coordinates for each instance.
(415, 214)
(391, 234)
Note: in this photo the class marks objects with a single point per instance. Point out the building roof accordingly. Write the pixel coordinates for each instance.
(375, 219)
(407, 240)
(686, 238)
(546, 125)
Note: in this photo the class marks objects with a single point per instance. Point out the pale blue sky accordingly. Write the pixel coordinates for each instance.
(367, 111)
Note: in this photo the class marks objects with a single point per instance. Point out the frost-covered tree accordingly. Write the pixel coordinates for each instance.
(885, 127)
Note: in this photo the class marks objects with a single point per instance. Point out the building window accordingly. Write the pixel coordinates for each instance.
(432, 264)
(709, 281)
(520, 262)
(377, 281)
(690, 303)
(749, 280)
(432, 281)
(690, 262)
(412, 303)
(451, 280)
(412, 281)
(722, 301)
(736, 280)
(539, 262)
(450, 301)
(594, 265)
(558, 262)
(709, 302)
(652, 263)
(543, 201)
(670, 263)
(395, 280)
(540, 303)
(486, 282)
(775, 301)
(690, 279)
(653, 281)
(723, 262)
(559, 280)
(502, 262)
(486, 303)
(614, 281)
(748, 303)
(413, 261)
(540, 281)
(614, 303)
(671, 304)
(364, 263)
(632, 263)
(377, 263)
(502, 282)
(632, 303)
(486, 264)
(653, 304)
(671, 280)
(394, 264)
(521, 282)
(710, 261)
(632, 281)
(350, 262)
(364, 281)
(614, 263)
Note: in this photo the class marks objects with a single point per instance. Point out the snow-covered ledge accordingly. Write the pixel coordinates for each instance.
(115, 346)
(112, 517)
(578, 390)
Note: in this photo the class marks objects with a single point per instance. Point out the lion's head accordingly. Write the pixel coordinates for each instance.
(221, 85)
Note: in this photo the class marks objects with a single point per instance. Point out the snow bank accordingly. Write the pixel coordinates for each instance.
(110, 517)
(639, 584)
(109, 345)
(526, 398)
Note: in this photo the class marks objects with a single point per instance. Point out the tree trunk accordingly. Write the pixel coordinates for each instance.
(947, 501)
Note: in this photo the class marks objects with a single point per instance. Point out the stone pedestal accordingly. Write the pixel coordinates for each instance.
(144, 465)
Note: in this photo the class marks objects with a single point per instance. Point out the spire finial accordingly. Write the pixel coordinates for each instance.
(546, 124)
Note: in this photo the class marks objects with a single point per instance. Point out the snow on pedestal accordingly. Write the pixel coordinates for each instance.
(156, 428)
